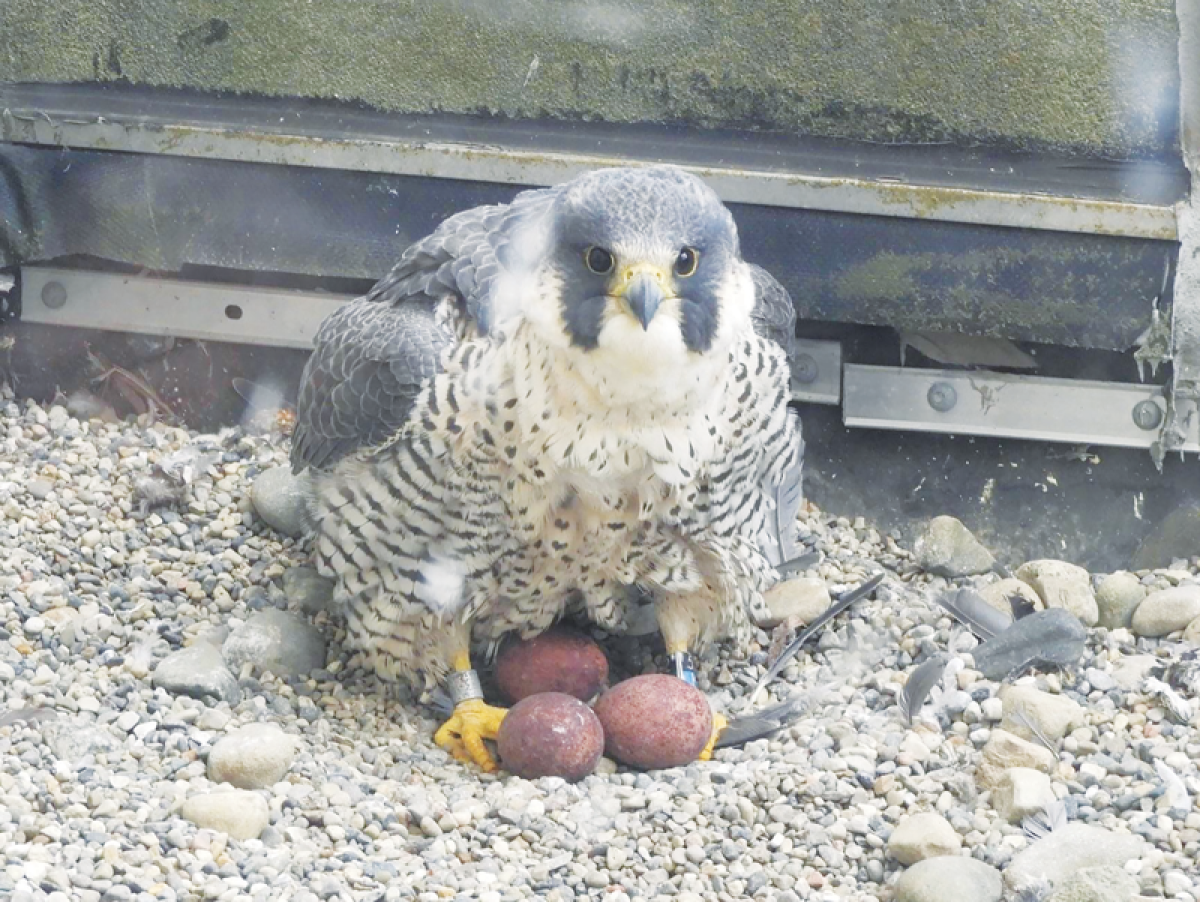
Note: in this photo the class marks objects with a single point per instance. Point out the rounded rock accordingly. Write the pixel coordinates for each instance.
(239, 813)
(1058, 855)
(1053, 715)
(277, 641)
(198, 671)
(801, 600)
(1166, 610)
(949, 877)
(948, 548)
(1062, 585)
(550, 734)
(1117, 596)
(253, 757)
(281, 498)
(559, 660)
(655, 721)
(1105, 883)
(921, 836)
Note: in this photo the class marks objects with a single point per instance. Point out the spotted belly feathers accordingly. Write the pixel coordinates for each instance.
(510, 493)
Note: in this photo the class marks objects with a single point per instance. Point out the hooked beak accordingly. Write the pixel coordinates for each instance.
(643, 293)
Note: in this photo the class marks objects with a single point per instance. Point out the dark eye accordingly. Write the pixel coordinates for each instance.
(686, 262)
(598, 260)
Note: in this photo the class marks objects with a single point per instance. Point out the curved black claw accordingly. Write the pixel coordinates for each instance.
(761, 724)
(844, 601)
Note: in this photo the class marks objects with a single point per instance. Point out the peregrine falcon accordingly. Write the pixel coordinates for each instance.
(549, 403)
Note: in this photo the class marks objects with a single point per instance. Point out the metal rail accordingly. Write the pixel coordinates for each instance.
(522, 165)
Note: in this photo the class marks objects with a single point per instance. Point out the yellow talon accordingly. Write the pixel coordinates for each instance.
(719, 725)
(463, 734)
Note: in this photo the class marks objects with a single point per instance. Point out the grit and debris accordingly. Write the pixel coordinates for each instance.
(134, 571)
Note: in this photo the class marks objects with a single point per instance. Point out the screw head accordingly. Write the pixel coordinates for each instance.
(942, 397)
(54, 295)
(1147, 415)
(805, 369)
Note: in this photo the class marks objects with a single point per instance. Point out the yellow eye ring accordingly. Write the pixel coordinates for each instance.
(598, 260)
(687, 262)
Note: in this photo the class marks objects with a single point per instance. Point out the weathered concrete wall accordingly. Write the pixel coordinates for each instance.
(1097, 77)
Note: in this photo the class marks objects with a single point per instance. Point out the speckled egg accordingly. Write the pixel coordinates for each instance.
(655, 721)
(559, 660)
(550, 734)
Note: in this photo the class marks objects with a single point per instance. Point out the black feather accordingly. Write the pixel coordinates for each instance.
(968, 607)
(842, 603)
(1021, 606)
(798, 564)
(761, 724)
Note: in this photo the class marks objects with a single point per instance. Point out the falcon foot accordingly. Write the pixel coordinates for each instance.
(719, 725)
(463, 734)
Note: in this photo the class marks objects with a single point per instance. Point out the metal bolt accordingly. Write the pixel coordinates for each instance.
(1147, 415)
(805, 369)
(54, 295)
(942, 396)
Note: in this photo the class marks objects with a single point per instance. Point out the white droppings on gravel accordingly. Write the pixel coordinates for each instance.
(99, 761)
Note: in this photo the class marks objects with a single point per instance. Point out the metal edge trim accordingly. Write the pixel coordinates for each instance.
(519, 167)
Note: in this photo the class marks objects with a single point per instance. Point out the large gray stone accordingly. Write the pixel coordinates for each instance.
(281, 498)
(1116, 598)
(1062, 585)
(1167, 610)
(241, 814)
(253, 757)
(277, 641)
(1058, 855)
(921, 836)
(1107, 883)
(198, 671)
(948, 548)
(949, 877)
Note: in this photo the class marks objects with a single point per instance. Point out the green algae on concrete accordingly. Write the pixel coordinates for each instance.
(1097, 77)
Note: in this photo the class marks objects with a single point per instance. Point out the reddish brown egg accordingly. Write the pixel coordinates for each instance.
(559, 660)
(550, 735)
(655, 721)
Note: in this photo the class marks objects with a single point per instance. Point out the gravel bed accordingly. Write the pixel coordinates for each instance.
(122, 544)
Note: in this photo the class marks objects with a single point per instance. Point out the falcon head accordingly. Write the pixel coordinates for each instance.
(642, 263)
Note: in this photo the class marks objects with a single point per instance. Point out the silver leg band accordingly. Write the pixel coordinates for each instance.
(685, 667)
(463, 685)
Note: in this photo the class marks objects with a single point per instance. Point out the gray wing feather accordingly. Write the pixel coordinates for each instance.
(774, 313)
(370, 363)
(374, 355)
(774, 318)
